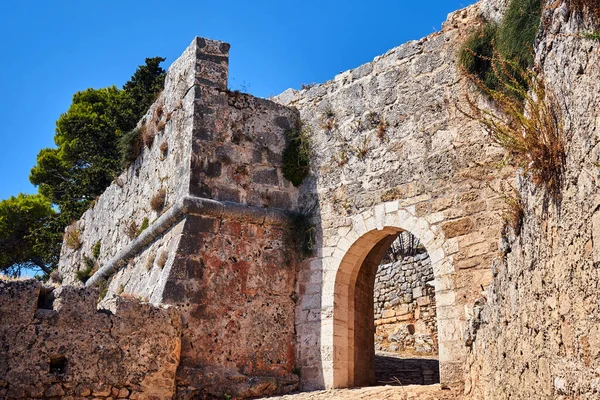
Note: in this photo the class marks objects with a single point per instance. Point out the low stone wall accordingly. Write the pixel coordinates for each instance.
(405, 318)
(55, 343)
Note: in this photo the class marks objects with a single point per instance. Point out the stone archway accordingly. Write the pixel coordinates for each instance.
(346, 334)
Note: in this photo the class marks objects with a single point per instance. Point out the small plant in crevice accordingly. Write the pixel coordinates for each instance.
(328, 112)
(87, 271)
(341, 158)
(72, 237)
(121, 289)
(304, 232)
(96, 249)
(382, 130)
(145, 224)
(164, 149)
(526, 122)
(297, 154)
(102, 289)
(372, 119)
(161, 125)
(131, 229)
(362, 149)
(157, 203)
(150, 261)
(130, 146)
(161, 261)
(329, 125)
(591, 35)
(147, 135)
(514, 213)
(306, 86)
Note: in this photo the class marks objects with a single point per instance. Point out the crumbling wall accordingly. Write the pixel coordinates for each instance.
(55, 343)
(405, 318)
(537, 335)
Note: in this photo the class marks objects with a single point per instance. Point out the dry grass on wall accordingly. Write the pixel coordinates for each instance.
(525, 120)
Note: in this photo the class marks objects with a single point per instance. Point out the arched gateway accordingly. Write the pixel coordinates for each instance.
(348, 274)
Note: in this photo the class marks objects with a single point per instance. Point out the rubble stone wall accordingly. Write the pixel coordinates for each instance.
(405, 317)
(55, 343)
(536, 333)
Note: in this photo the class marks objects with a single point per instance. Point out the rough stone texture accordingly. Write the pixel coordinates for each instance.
(55, 343)
(425, 169)
(405, 320)
(233, 282)
(229, 264)
(537, 334)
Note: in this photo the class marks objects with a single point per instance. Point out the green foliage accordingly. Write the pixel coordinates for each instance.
(102, 289)
(304, 232)
(512, 40)
(84, 274)
(592, 35)
(96, 249)
(29, 237)
(130, 146)
(476, 54)
(144, 226)
(297, 154)
(144, 86)
(86, 158)
(526, 122)
(518, 30)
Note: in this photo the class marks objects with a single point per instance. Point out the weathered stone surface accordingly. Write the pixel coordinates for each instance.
(392, 152)
(541, 317)
(72, 349)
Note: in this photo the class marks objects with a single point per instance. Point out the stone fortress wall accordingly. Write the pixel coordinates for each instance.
(391, 153)
(405, 319)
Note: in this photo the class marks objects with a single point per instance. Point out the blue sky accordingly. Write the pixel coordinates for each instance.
(52, 49)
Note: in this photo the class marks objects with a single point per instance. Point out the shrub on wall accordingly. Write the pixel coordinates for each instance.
(297, 154)
(130, 146)
(512, 39)
(527, 123)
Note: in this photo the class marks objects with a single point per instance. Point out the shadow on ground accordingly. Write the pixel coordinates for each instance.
(395, 371)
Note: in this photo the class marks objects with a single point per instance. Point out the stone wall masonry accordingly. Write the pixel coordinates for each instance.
(405, 318)
(55, 343)
(391, 149)
(222, 250)
(535, 333)
(127, 200)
